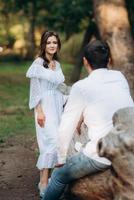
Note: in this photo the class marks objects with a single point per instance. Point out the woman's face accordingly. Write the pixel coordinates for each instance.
(51, 45)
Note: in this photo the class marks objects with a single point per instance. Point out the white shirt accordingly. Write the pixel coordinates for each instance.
(97, 97)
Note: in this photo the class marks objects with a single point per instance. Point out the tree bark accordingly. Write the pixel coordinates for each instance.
(112, 20)
(91, 30)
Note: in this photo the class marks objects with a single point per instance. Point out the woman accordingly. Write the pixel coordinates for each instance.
(45, 76)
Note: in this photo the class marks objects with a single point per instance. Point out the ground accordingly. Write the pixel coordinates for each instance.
(18, 173)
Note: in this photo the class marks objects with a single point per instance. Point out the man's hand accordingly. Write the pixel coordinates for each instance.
(59, 165)
(78, 128)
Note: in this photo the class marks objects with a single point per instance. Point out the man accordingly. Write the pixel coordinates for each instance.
(97, 97)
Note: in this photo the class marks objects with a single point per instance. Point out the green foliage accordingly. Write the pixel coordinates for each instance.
(66, 16)
(69, 17)
(6, 6)
(6, 38)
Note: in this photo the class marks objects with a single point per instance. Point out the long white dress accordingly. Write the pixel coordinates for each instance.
(44, 84)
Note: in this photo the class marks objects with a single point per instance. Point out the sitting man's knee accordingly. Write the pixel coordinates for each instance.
(60, 175)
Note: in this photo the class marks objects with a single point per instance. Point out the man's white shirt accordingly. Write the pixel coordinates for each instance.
(97, 97)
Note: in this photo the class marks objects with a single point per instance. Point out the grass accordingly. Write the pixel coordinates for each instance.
(15, 116)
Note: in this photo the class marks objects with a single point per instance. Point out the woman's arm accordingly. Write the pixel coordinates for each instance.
(35, 93)
(35, 100)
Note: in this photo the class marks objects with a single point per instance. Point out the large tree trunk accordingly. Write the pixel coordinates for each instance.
(91, 31)
(112, 20)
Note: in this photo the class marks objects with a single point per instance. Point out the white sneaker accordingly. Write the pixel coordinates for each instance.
(49, 180)
(41, 190)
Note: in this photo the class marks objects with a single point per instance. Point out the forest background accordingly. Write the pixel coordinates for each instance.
(77, 22)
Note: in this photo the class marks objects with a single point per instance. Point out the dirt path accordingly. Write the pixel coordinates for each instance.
(18, 174)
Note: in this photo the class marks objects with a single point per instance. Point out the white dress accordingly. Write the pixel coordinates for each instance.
(44, 84)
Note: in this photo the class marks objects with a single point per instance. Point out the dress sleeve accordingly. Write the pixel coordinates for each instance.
(35, 93)
(37, 70)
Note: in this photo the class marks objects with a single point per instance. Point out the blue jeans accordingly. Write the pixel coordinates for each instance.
(76, 167)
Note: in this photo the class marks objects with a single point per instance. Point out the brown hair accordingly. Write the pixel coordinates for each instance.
(43, 43)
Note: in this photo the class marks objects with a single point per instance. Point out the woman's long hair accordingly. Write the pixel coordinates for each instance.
(43, 43)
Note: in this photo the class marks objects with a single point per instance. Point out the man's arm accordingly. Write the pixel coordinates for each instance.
(69, 121)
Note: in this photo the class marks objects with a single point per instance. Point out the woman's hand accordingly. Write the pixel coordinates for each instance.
(41, 119)
(40, 115)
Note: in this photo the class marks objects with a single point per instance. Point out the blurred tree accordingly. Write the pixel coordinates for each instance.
(67, 16)
(28, 8)
(130, 8)
(112, 20)
(73, 16)
(91, 31)
(5, 19)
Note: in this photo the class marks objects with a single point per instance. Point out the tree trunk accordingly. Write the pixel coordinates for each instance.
(91, 30)
(112, 20)
(31, 32)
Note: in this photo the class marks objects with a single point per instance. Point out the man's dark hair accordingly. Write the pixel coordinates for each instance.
(97, 54)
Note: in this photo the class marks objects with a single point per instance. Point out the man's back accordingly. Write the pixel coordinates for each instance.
(97, 98)
(104, 92)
